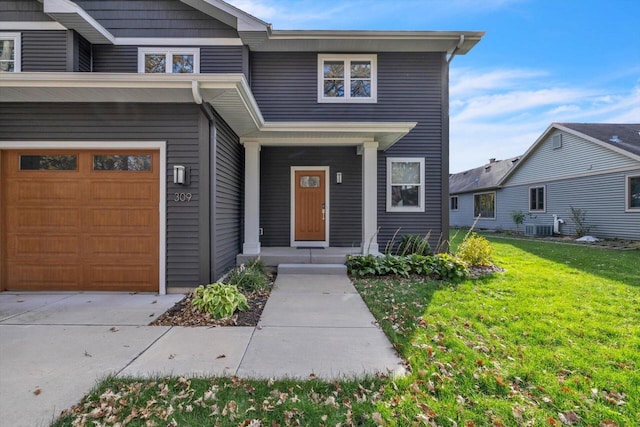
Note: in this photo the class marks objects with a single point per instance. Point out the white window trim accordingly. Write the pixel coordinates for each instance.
(544, 198)
(495, 205)
(627, 191)
(169, 52)
(17, 57)
(347, 78)
(457, 203)
(420, 207)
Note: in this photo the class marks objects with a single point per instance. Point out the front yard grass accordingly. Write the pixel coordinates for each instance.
(554, 340)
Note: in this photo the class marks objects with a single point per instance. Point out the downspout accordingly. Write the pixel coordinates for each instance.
(455, 49)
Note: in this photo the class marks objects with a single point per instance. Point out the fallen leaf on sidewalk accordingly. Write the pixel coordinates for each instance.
(172, 356)
(37, 391)
(114, 329)
(155, 301)
(222, 356)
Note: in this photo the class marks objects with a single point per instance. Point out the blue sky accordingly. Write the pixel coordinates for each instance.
(541, 61)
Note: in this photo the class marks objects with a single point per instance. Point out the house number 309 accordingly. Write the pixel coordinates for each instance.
(182, 197)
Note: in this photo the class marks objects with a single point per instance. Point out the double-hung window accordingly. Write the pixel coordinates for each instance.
(9, 52)
(484, 205)
(536, 199)
(633, 193)
(347, 78)
(405, 184)
(168, 61)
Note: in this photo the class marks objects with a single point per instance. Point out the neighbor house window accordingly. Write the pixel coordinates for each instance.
(536, 199)
(162, 60)
(484, 205)
(9, 52)
(405, 184)
(347, 78)
(633, 193)
(453, 203)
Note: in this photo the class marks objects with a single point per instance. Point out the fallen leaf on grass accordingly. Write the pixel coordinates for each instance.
(568, 417)
(608, 423)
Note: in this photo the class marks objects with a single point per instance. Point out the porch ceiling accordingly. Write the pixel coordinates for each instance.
(229, 94)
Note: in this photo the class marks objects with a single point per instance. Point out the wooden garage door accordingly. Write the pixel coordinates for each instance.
(80, 220)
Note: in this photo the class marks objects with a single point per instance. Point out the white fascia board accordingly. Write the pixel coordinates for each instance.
(174, 41)
(70, 15)
(32, 25)
(229, 14)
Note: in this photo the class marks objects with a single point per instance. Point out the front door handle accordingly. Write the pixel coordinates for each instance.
(323, 211)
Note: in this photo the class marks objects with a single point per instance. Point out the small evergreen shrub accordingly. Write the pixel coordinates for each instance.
(414, 244)
(219, 300)
(249, 277)
(475, 250)
(449, 268)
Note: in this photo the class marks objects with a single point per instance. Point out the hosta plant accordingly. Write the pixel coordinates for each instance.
(219, 300)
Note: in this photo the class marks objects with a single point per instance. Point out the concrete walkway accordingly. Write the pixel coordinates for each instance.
(55, 347)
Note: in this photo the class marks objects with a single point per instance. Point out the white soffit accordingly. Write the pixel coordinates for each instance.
(74, 17)
(229, 14)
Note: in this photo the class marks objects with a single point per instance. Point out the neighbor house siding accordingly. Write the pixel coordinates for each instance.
(345, 200)
(463, 217)
(22, 11)
(176, 124)
(228, 198)
(576, 156)
(44, 51)
(410, 89)
(154, 18)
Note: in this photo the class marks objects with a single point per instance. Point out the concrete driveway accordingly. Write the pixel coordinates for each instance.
(55, 347)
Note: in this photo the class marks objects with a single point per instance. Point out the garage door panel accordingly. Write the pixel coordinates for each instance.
(42, 275)
(137, 193)
(39, 245)
(82, 229)
(52, 192)
(37, 218)
(124, 246)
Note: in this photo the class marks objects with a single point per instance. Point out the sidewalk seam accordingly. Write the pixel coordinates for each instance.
(144, 350)
(244, 354)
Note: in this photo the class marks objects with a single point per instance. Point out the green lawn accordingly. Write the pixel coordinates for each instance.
(556, 338)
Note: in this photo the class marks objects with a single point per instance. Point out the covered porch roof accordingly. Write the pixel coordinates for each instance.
(229, 94)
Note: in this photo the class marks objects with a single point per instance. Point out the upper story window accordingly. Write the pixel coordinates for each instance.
(405, 184)
(347, 78)
(9, 52)
(166, 60)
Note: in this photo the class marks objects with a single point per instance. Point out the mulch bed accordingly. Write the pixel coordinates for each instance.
(184, 314)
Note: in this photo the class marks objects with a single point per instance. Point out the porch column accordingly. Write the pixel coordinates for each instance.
(370, 197)
(251, 244)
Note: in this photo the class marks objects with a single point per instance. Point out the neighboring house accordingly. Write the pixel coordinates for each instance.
(590, 166)
(475, 194)
(145, 144)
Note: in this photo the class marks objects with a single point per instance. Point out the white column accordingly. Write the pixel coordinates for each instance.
(251, 244)
(370, 197)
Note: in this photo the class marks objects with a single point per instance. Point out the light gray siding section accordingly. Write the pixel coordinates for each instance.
(410, 88)
(576, 156)
(154, 18)
(345, 200)
(601, 196)
(22, 11)
(174, 123)
(44, 51)
(228, 198)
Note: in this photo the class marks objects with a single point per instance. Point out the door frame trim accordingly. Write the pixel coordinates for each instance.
(327, 178)
(118, 145)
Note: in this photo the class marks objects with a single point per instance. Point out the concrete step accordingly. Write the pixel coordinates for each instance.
(312, 269)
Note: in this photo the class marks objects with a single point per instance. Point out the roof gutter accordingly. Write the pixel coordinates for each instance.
(455, 49)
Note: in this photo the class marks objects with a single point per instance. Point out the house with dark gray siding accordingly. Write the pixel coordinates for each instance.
(594, 167)
(146, 145)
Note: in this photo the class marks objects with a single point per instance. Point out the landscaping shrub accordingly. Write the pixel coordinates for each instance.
(363, 265)
(414, 244)
(475, 250)
(219, 300)
(448, 267)
(394, 264)
(248, 277)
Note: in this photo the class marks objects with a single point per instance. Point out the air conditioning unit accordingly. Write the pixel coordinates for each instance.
(537, 230)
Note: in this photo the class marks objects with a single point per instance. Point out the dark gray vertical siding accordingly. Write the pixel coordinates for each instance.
(154, 18)
(115, 59)
(221, 59)
(44, 51)
(229, 197)
(345, 216)
(175, 123)
(22, 11)
(409, 90)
